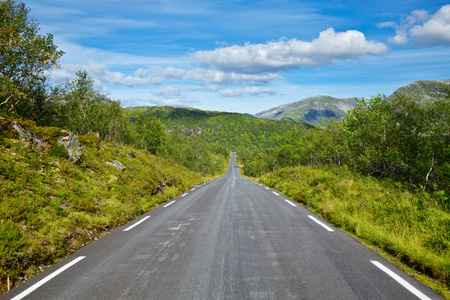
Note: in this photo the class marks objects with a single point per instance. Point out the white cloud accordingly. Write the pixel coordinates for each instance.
(422, 29)
(435, 31)
(248, 91)
(159, 75)
(290, 54)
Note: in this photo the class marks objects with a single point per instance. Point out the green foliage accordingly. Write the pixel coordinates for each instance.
(399, 138)
(149, 133)
(394, 138)
(24, 57)
(82, 109)
(58, 151)
(197, 155)
(230, 130)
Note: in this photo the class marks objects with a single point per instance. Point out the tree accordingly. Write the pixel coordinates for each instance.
(83, 109)
(150, 133)
(25, 55)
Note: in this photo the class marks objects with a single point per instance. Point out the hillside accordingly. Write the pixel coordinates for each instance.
(230, 130)
(310, 110)
(51, 207)
(425, 91)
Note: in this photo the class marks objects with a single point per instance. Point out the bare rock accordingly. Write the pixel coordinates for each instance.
(22, 132)
(116, 164)
(73, 146)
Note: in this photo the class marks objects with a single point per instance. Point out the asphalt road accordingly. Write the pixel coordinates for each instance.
(228, 239)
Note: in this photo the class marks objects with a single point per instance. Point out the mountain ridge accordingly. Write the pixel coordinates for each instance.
(311, 110)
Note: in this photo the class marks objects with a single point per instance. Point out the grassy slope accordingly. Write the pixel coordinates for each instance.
(412, 228)
(49, 207)
(231, 130)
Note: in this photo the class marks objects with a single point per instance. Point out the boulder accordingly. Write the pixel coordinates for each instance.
(73, 146)
(116, 164)
(22, 132)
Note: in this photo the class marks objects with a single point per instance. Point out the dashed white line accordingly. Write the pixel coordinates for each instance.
(266, 187)
(170, 203)
(321, 224)
(290, 202)
(193, 189)
(276, 193)
(184, 195)
(400, 280)
(46, 279)
(136, 224)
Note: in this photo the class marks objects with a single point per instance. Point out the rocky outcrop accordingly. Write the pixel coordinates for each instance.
(116, 164)
(21, 132)
(73, 146)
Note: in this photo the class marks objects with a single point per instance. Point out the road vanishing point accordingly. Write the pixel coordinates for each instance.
(230, 238)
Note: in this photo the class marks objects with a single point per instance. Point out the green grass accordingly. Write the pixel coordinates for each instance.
(50, 207)
(412, 228)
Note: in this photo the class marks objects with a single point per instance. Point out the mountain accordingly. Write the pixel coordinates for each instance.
(311, 110)
(230, 130)
(424, 91)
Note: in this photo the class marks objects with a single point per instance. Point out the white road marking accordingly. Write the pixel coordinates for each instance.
(400, 280)
(260, 185)
(184, 194)
(290, 202)
(276, 193)
(170, 203)
(266, 188)
(46, 279)
(192, 189)
(136, 224)
(321, 224)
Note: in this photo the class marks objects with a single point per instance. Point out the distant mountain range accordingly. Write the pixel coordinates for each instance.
(314, 110)
(311, 110)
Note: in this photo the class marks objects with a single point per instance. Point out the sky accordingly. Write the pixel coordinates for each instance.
(246, 56)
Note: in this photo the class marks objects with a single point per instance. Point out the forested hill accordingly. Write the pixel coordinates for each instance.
(231, 130)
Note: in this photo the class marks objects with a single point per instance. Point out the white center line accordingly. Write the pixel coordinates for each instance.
(276, 193)
(290, 202)
(321, 224)
(400, 280)
(170, 203)
(46, 279)
(184, 194)
(192, 189)
(136, 224)
(266, 188)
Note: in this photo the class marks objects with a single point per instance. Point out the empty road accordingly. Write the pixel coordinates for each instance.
(230, 238)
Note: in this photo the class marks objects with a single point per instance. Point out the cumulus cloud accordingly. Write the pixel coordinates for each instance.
(290, 54)
(435, 31)
(159, 75)
(421, 29)
(248, 91)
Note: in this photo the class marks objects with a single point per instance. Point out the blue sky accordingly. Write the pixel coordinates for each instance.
(247, 56)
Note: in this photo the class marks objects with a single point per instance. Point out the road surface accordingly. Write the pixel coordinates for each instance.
(230, 238)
